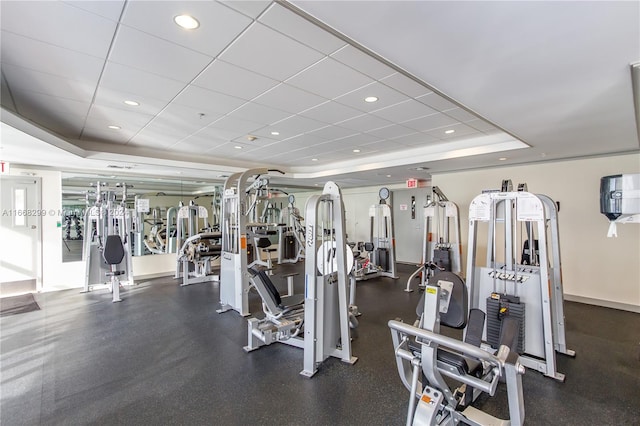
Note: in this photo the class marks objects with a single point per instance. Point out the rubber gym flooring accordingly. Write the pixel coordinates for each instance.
(164, 356)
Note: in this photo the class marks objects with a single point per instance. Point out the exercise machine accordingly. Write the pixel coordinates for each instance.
(319, 322)
(290, 234)
(104, 219)
(441, 243)
(242, 192)
(380, 257)
(529, 289)
(620, 200)
(196, 257)
(424, 357)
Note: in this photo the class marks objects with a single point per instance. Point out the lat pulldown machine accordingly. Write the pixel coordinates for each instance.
(531, 289)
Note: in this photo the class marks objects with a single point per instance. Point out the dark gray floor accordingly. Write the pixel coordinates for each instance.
(164, 356)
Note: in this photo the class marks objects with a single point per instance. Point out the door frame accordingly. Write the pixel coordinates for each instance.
(39, 212)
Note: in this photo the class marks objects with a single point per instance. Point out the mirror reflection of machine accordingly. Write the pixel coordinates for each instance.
(290, 234)
(620, 200)
(377, 257)
(107, 218)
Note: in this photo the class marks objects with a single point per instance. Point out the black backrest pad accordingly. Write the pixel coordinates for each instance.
(113, 252)
(273, 291)
(456, 316)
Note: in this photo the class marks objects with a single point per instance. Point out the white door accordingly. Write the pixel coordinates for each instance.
(20, 235)
(408, 223)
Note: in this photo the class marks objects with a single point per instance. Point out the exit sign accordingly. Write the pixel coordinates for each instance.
(4, 168)
(412, 183)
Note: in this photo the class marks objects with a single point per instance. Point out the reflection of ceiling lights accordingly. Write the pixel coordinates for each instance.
(502, 158)
(132, 103)
(187, 22)
(237, 147)
(448, 132)
(114, 127)
(356, 151)
(314, 159)
(370, 99)
(275, 133)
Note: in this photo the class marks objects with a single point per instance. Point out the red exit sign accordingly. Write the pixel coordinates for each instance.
(412, 183)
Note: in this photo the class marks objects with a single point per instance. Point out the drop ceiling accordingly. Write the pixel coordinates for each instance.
(282, 85)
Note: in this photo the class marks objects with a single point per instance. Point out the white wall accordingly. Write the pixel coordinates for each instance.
(596, 269)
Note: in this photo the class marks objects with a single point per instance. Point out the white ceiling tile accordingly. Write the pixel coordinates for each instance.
(66, 125)
(5, 96)
(25, 79)
(219, 25)
(329, 78)
(251, 8)
(430, 122)
(365, 123)
(331, 112)
(295, 125)
(208, 101)
(235, 127)
(288, 98)
(386, 97)
(155, 55)
(460, 130)
(59, 24)
(232, 80)
(103, 116)
(283, 20)
(415, 139)
(359, 60)
(437, 102)
(131, 80)
(34, 105)
(111, 9)
(115, 99)
(356, 140)
(198, 143)
(102, 134)
(158, 135)
(259, 113)
(406, 85)
(269, 53)
(333, 132)
(49, 59)
(219, 133)
(182, 116)
(385, 146)
(481, 125)
(302, 141)
(391, 132)
(461, 115)
(404, 111)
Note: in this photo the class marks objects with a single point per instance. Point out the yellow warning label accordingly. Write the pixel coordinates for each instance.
(431, 290)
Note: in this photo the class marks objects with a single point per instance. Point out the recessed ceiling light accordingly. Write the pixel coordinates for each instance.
(132, 103)
(275, 133)
(314, 159)
(448, 132)
(370, 99)
(187, 22)
(114, 127)
(237, 147)
(356, 150)
(388, 175)
(502, 158)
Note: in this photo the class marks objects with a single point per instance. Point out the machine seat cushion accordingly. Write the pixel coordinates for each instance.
(113, 251)
(463, 364)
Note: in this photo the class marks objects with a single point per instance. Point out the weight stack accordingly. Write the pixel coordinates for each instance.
(382, 257)
(442, 258)
(289, 247)
(513, 308)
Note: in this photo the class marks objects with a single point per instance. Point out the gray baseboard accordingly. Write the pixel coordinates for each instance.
(603, 303)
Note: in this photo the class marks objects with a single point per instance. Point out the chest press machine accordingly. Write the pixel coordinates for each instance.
(424, 357)
(319, 321)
